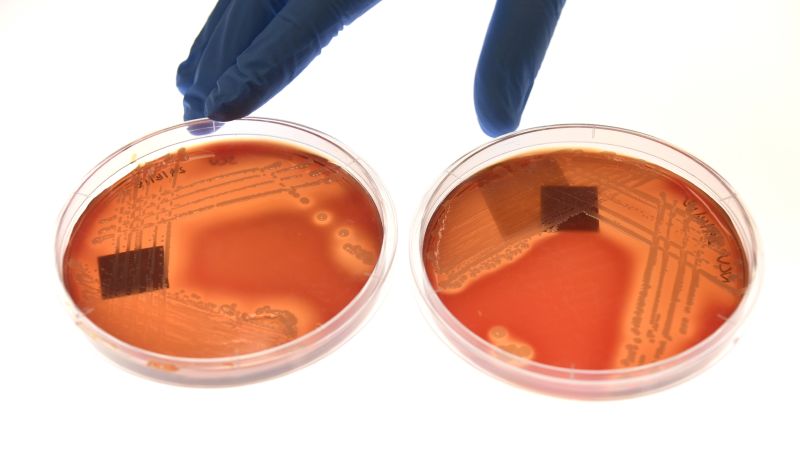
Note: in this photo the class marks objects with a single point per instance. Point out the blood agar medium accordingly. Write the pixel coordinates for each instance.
(229, 249)
(584, 260)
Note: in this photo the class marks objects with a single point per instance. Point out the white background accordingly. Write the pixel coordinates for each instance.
(81, 78)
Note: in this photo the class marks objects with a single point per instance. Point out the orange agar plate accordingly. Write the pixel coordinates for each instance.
(584, 261)
(225, 247)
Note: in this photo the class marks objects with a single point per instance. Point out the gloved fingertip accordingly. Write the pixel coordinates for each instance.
(495, 127)
(220, 109)
(192, 109)
(225, 115)
(183, 78)
(497, 113)
(232, 99)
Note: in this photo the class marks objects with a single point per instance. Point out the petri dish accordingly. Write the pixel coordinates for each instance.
(219, 254)
(585, 261)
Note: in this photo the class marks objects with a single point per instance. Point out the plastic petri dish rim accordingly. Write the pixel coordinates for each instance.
(248, 367)
(586, 383)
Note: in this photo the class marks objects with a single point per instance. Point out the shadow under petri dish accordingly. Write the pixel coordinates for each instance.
(223, 248)
(584, 259)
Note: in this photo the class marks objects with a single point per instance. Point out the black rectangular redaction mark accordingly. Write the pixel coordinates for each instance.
(132, 272)
(570, 208)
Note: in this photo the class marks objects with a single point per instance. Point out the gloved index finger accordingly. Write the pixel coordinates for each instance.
(279, 53)
(516, 41)
(236, 28)
(186, 70)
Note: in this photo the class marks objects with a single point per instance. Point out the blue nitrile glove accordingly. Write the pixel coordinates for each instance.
(249, 50)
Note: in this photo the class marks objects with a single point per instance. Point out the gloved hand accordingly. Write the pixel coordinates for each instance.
(249, 50)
